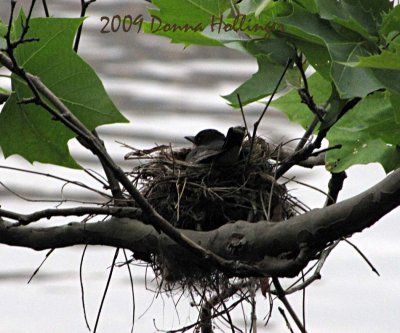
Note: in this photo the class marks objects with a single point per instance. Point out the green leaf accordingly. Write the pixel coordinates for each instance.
(346, 46)
(318, 56)
(391, 21)
(261, 84)
(362, 151)
(297, 112)
(395, 102)
(248, 6)
(5, 91)
(278, 51)
(334, 107)
(377, 8)
(310, 5)
(28, 130)
(3, 31)
(190, 12)
(352, 82)
(369, 133)
(167, 20)
(385, 60)
(261, 7)
(388, 78)
(351, 16)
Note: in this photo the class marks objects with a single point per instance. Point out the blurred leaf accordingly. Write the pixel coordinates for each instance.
(351, 16)
(27, 129)
(261, 7)
(395, 102)
(3, 31)
(352, 82)
(334, 107)
(190, 12)
(277, 51)
(391, 21)
(5, 91)
(318, 56)
(248, 6)
(376, 8)
(385, 60)
(310, 5)
(315, 33)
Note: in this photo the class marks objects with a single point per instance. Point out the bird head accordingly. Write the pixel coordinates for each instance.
(207, 137)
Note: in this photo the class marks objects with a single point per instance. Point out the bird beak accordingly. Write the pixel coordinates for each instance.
(190, 138)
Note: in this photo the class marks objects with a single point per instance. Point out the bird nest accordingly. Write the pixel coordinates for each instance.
(205, 196)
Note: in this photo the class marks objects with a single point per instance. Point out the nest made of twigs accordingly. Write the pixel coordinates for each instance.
(205, 196)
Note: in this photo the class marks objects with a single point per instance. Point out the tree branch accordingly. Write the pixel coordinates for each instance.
(238, 243)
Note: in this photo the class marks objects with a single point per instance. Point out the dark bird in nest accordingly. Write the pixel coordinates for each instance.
(210, 145)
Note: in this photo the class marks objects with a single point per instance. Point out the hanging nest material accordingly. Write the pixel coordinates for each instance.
(205, 196)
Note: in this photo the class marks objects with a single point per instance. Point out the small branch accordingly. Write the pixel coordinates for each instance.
(315, 276)
(281, 295)
(282, 312)
(66, 180)
(84, 7)
(77, 211)
(132, 288)
(335, 186)
(106, 289)
(307, 134)
(285, 153)
(40, 266)
(243, 116)
(257, 123)
(304, 93)
(219, 298)
(363, 256)
(82, 287)
(47, 13)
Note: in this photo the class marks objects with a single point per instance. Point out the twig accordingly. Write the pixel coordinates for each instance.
(335, 186)
(40, 266)
(304, 93)
(243, 117)
(282, 312)
(257, 123)
(363, 256)
(46, 12)
(25, 219)
(68, 181)
(84, 7)
(283, 299)
(82, 287)
(253, 315)
(106, 289)
(132, 288)
(304, 302)
(315, 276)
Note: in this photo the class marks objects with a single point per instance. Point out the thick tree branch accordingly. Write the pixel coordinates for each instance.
(252, 243)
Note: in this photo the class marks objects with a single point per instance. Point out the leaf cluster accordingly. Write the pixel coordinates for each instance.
(351, 48)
